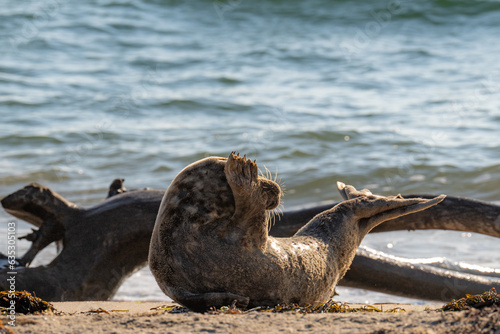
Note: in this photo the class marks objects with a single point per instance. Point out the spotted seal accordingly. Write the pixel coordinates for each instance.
(210, 244)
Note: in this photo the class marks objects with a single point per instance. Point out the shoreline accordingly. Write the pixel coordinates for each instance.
(144, 317)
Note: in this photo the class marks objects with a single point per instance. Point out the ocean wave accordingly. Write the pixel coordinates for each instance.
(320, 135)
(439, 12)
(23, 101)
(401, 9)
(41, 176)
(16, 140)
(199, 105)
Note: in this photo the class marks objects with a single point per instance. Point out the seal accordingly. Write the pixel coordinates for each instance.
(210, 245)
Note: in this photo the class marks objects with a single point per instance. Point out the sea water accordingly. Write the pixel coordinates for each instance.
(396, 96)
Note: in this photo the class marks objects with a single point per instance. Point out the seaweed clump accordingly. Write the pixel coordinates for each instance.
(24, 302)
(486, 299)
(327, 307)
(171, 309)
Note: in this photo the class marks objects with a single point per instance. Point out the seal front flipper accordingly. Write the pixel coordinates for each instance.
(204, 301)
(253, 196)
(242, 176)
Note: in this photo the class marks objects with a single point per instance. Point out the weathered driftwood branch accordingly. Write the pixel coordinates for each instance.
(106, 243)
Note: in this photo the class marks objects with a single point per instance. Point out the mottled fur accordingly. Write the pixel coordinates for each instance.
(210, 245)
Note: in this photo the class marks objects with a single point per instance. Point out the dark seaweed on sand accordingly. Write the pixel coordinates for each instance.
(171, 309)
(327, 307)
(488, 298)
(25, 302)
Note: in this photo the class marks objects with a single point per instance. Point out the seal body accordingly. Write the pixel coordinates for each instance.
(210, 245)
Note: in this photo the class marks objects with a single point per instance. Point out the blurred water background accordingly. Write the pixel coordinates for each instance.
(394, 95)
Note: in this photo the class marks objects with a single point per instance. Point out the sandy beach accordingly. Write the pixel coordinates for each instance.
(144, 317)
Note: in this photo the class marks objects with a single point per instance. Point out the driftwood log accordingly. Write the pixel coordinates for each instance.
(105, 244)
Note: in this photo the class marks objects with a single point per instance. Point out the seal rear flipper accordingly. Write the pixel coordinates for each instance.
(349, 192)
(399, 207)
(204, 301)
(372, 210)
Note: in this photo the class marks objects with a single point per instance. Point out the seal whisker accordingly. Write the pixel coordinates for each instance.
(276, 213)
(266, 174)
(272, 215)
(270, 218)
